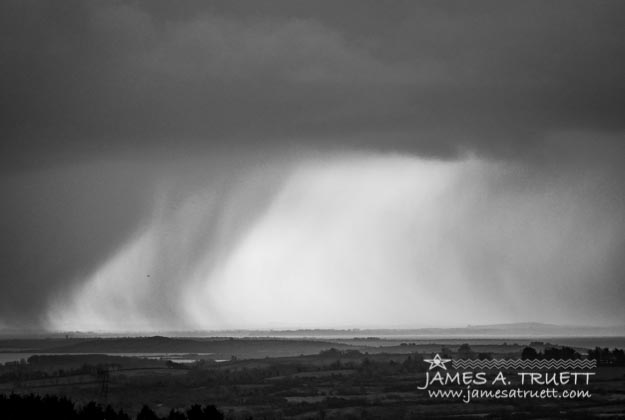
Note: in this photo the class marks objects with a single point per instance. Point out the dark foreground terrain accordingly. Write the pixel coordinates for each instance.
(154, 377)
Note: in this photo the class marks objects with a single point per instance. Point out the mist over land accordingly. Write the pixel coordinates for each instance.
(495, 331)
(299, 209)
(217, 167)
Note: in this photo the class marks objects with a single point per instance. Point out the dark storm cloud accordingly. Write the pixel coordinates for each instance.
(58, 222)
(117, 77)
(93, 82)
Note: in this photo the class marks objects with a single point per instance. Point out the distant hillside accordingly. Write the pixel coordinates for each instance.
(159, 344)
(524, 329)
(197, 339)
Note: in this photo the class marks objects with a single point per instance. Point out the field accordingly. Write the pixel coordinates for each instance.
(286, 378)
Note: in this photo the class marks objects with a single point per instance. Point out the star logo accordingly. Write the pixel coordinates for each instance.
(437, 361)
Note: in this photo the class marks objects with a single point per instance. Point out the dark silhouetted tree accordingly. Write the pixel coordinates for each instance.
(210, 412)
(529, 353)
(146, 413)
(561, 353)
(176, 415)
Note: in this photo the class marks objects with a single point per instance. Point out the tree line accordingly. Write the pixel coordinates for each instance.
(530, 353)
(604, 356)
(31, 406)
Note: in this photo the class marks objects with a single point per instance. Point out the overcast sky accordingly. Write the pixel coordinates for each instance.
(241, 164)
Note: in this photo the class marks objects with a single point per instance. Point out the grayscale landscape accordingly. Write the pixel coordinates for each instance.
(299, 209)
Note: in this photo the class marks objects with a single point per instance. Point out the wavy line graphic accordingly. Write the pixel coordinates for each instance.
(524, 364)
